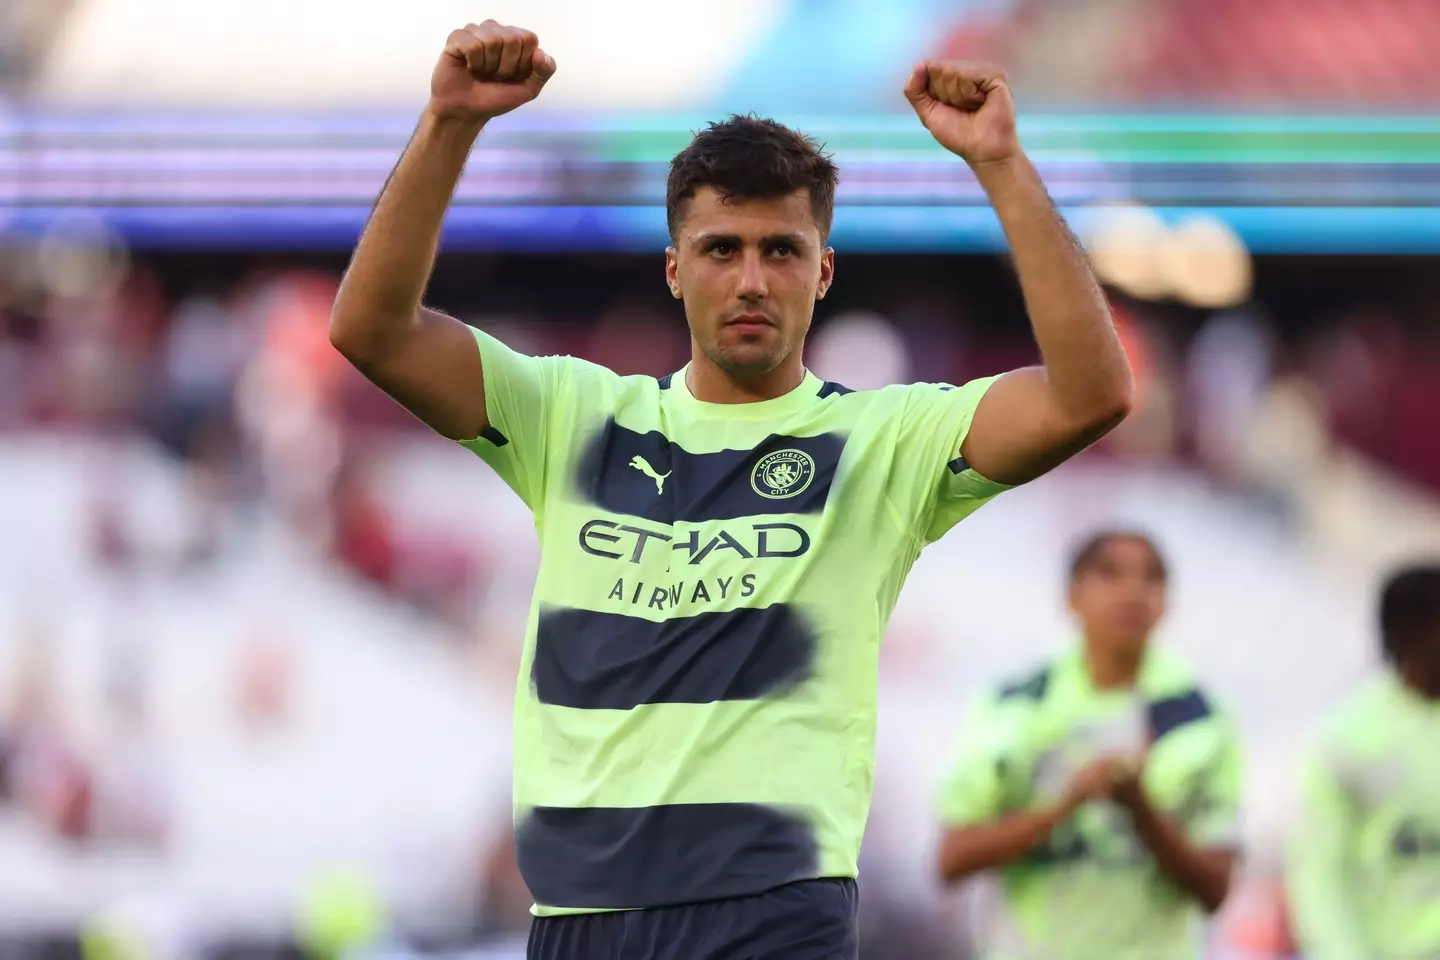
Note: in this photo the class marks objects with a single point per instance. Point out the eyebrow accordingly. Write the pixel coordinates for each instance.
(705, 239)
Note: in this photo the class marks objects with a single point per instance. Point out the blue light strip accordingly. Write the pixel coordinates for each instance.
(888, 229)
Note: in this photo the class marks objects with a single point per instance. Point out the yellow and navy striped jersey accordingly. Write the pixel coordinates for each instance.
(695, 713)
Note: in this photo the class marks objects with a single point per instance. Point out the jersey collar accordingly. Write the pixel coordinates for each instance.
(797, 399)
(1160, 671)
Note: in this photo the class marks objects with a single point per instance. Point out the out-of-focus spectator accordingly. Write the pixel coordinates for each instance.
(505, 900)
(1287, 442)
(50, 782)
(289, 400)
(634, 337)
(1228, 369)
(264, 682)
(1151, 431)
(132, 802)
(861, 350)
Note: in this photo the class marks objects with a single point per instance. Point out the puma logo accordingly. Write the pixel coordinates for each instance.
(643, 465)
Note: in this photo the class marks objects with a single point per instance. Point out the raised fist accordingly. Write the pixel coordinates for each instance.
(966, 107)
(488, 70)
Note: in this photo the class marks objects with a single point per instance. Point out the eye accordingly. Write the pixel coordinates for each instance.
(782, 250)
(723, 248)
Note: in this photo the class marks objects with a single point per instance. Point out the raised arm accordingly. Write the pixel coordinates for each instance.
(1031, 420)
(427, 361)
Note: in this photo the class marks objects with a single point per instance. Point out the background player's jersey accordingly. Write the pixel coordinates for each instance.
(1364, 861)
(1093, 890)
(695, 716)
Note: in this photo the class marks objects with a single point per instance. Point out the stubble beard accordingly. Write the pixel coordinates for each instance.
(747, 360)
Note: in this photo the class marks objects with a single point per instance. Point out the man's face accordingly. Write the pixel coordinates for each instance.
(749, 272)
(1421, 661)
(1120, 596)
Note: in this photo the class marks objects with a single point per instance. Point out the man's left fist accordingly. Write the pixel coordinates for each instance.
(966, 107)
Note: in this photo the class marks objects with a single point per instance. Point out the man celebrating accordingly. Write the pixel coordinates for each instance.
(721, 548)
(1103, 787)
(1364, 863)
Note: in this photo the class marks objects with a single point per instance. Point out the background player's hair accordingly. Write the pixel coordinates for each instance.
(1409, 608)
(746, 158)
(1087, 554)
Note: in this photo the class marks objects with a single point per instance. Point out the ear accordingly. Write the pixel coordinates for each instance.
(827, 273)
(672, 273)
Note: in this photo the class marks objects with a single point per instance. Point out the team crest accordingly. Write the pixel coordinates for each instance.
(782, 474)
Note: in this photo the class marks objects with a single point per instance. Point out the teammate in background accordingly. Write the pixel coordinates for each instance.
(1103, 787)
(1364, 861)
(720, 548)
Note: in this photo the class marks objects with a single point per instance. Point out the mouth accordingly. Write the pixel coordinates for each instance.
(1134, 616)
(749, 323)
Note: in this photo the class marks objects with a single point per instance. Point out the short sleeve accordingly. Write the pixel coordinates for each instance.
(519, 395)
(973, 790)
(939, 487)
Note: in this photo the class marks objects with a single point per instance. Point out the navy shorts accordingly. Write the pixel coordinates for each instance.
(808, 920)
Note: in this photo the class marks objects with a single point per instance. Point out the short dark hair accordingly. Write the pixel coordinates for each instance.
(1087, 554)
(1409, 609)
(752, 158)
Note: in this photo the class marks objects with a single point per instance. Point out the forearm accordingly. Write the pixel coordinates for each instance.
(378, 303)
(973, 849)
(1203, 874)
(1085, 364)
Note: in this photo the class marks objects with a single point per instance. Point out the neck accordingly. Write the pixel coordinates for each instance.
(708, 382)
(1112, 668)
(1421, 679)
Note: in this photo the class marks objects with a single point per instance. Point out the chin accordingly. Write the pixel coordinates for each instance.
(747, 363)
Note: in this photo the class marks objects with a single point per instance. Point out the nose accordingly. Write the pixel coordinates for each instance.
(754, 286)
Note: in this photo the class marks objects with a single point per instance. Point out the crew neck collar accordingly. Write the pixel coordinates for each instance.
(1158, 670)
(802, 395)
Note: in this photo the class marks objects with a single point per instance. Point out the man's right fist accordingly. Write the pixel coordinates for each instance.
(488, 70)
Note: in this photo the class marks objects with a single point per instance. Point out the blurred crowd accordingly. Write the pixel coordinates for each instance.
(1258, 374)
(225, 366)
(1333, 52)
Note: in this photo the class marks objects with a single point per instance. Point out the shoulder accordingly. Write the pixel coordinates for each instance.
(1026, 687)
(586, 370)
(1355, 722)
(907, 399)
(1176, 698)
(508, 348)
(927, 402)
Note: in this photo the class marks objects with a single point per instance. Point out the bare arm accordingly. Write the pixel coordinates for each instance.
(1203, 873)
(1031, 420)
(972, 849)
(427, 361)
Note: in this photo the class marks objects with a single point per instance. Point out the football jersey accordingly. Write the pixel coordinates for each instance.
(695, 712)
(1364, 860)
(1093, 890)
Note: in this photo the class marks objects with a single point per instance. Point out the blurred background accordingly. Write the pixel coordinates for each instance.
(259, 629)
